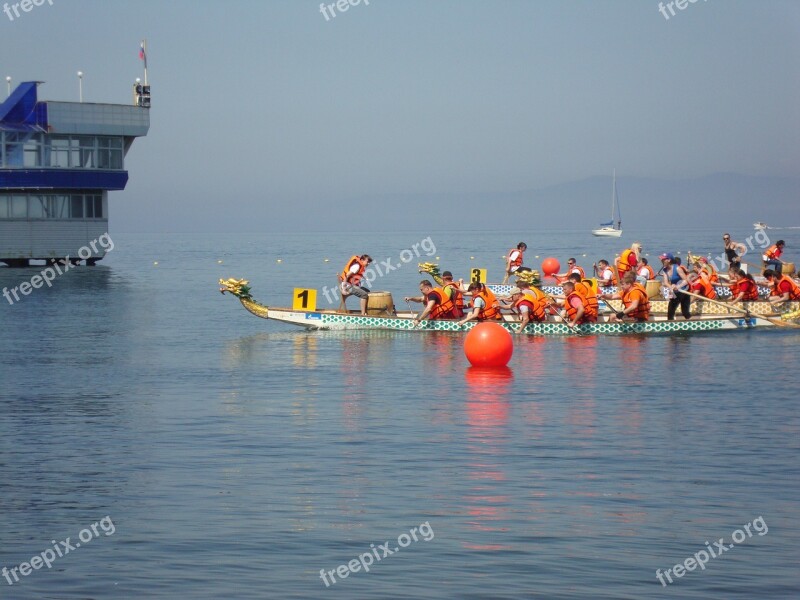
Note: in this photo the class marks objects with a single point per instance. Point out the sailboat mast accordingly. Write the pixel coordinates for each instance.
(613, 196)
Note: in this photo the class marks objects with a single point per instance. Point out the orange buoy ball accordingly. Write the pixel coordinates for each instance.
(550, 266)
(488, 345)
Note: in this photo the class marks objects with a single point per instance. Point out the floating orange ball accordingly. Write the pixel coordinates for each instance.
(550, 266)
(488, 345)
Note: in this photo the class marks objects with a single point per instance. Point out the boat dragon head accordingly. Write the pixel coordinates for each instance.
(236, 287)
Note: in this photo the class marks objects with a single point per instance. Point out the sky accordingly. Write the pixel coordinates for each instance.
(267, 116)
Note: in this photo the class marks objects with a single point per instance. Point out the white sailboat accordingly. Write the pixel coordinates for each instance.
(614, 227)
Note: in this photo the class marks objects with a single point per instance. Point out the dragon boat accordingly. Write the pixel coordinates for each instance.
(657, 305)
(404, 320)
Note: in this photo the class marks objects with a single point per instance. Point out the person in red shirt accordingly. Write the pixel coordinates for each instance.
(772, 256)
(783, 287)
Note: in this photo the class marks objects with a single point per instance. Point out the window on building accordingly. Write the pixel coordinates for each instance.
(19, 207)
(76, 207)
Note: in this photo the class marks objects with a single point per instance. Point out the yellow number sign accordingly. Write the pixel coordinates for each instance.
(478, 276)
(304, 299)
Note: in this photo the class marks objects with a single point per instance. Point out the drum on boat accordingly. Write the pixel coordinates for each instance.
(380, 303)
(653, 288)
(788, 268)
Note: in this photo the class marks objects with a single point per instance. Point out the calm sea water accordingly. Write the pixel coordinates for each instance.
(237, 457)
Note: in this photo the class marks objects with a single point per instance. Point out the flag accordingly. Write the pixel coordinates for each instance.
(143, 54)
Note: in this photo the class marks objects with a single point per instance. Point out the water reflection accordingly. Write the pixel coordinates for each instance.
(487, 409)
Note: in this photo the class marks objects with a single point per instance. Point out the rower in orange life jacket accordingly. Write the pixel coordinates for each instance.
(438, 305)
(576, 305)
(745, 289)
(453, 291)
(783, 287)
(605, 274)
(700, 283)
(589, 294)
(644, 270)
(635, 303)
(484, 304)
(524, 306)
(572, 267)
(350, 280)
(628, 260)
(537, 298)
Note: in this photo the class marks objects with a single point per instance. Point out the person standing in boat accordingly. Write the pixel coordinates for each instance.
(733, 251)
(350, 281)
(676, 281)
(628, 260)
(484, 304)
(438, 304)
(772, 257)
(514, 260)
(783, 287)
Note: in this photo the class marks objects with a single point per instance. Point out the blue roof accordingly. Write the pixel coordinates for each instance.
(21, 111)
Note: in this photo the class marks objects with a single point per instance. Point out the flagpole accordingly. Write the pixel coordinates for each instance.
(144, 45)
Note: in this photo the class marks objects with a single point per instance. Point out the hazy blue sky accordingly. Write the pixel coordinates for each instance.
(264, 104)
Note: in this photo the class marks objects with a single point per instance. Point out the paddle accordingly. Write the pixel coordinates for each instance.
(745, 312)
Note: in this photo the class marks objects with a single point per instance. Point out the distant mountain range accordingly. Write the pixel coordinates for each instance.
(726, 200)
(723, 198)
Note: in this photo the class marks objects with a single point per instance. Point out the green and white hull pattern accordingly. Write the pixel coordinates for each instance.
(403, 321)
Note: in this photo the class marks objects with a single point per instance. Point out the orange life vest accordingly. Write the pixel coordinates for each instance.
(749, 288)
(713, 277)
(794, 289)
(517, 262)
(591, 306)
(637, 292)
(456, 297)
(353, 278)
(579, 270)
(650, 273)
(444, 308)
(572, 311)
(704, 288)
(773, 252)
(539, 301)
(491, 309)
(623, 266)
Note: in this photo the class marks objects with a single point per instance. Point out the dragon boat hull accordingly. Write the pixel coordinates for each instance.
(333, 320)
